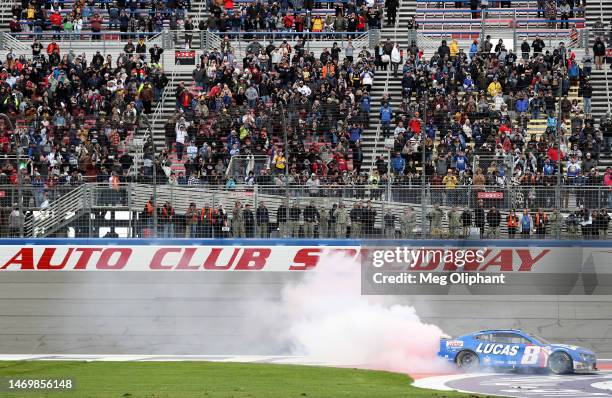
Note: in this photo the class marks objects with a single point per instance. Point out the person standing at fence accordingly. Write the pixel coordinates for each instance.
(526, 224)
(407, 223)
(367, 220)
(604, 224)
(356, 217)
(282, 217)
(207, 221)
(191, 221)
(435, 221)
(555, 220)
(262, 217)
(167, 220)
(479, 218)
(466, 221)
(512, 223)
(324, 222)
(572, 225)
(389, 224)
(494, 221)
(249, 221)
(294, 220)
(311, 217)
(342, 220)
(454, 223)
(238, 221)
(148, 216)
(540, 222)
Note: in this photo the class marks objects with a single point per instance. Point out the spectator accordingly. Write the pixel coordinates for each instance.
(599, 51)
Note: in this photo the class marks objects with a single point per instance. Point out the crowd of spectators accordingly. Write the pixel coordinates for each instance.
(287, 16)
(97, 16)
(319, 104)
(71, 117)
(470, 107)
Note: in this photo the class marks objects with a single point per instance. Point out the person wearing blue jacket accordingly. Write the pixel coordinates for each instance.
(365, 109)
(522, 105)
(385, 119)
(354, 133)
(473, 49)
(398, 163)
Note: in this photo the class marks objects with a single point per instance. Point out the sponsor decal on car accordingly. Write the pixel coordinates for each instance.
(454, 344)
(497, 349)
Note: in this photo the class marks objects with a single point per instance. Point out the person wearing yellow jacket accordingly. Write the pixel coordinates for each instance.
(494, 87)
(454, 48)
(317, 24)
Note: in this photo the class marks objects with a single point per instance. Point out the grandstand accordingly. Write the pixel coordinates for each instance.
(281, 93)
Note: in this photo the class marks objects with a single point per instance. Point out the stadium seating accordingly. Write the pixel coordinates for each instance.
(348, 114)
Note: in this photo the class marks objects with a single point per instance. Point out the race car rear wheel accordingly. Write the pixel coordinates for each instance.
(467, 360)
(560, 363)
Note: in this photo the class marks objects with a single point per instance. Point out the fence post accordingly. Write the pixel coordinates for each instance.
(130, 212)
(255, 205)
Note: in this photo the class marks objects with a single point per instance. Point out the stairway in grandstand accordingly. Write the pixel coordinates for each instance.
(167, 108)
(601, 80)
(598, 10)
(371, 140)
(5, 13)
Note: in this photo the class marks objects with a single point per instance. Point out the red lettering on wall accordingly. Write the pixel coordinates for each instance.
(24, 258)
(256, 256)
(211, 260)
(120, 263)
(158, 257)
(47, 256)
(308, 258)
(527, 261)
(86, 253)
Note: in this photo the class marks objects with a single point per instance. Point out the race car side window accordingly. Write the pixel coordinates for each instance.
(510, 338)
(483, 337)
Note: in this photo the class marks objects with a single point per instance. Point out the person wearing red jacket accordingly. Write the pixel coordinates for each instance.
(96, 26)
(56, 24)
(52, 47)
(414, 124)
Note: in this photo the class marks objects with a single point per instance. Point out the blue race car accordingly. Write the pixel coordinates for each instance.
(515, 349)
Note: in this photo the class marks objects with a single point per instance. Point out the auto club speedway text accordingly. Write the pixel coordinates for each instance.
(402, 257)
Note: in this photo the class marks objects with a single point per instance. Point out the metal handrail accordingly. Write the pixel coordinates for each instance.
(160, 104)
(58, 212)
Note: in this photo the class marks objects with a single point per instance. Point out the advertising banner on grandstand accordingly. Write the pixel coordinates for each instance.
(408, 269)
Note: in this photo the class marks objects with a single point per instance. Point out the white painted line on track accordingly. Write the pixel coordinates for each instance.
(272, 359)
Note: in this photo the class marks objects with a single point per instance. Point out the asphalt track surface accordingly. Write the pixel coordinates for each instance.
(217, 314)
(211, 313)
(592, 385)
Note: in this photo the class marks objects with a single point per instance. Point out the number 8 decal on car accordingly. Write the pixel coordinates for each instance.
(531, 355)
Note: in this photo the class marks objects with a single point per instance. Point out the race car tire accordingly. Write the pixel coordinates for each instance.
(467, 360)
(560, 363)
